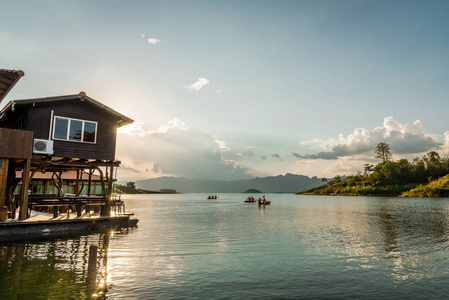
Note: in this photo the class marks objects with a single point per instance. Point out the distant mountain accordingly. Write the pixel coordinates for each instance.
(288, 183)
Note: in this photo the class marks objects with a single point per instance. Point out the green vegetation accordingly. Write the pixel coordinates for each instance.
(435, 189)
(393, 178)
(130, 188)
(253, 191)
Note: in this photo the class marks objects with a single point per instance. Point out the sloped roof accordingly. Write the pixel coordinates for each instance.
(124, 120)
(8, 78)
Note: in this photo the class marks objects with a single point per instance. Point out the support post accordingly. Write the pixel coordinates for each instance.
(23, 213)
(89, 184)
(105, 210)
(109, 195)
(77, 183)
(4, 163)
(3, 180)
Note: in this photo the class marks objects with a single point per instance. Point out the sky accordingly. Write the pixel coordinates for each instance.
(230, 90)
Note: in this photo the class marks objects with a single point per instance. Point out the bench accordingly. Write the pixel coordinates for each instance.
(56, 202)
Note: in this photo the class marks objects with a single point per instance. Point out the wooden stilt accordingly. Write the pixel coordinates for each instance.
(77, 183)
(23, 213)
(109, 195)
(3, 180)
(104, 210)
(89, 184)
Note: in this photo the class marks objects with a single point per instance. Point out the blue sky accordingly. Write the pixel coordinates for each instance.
(237, 89)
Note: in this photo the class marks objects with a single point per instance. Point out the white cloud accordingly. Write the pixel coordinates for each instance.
(219, 91)
(174, 150)
(153, 41)
(201, 82)
(403, 139)
(138, 128)
(222, 146)
(143, 34)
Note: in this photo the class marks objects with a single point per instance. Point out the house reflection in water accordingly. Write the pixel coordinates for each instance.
(54, 269)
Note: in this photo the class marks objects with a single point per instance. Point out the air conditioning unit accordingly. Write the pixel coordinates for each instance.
(43, 146)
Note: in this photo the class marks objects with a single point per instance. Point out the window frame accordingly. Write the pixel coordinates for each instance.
(67, 139)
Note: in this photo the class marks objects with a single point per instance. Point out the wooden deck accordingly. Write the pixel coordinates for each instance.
(41, 225)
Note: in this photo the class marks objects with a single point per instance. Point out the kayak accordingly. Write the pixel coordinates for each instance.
(266, 203)
(250, 201)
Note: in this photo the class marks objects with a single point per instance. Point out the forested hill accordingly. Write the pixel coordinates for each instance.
(423, 177)
(288, 183)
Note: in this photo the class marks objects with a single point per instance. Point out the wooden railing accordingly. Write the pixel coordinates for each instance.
(50, 200)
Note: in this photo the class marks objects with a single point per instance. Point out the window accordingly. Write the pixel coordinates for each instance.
(74, 130)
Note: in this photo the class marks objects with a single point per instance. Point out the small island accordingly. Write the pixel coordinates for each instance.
(252, 191)
(130, 188)
(423, 177)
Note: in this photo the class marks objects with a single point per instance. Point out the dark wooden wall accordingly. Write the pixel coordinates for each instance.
(15, 143)
(38, 120)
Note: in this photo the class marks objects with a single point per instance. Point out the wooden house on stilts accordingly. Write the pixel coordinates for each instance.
(55, 134)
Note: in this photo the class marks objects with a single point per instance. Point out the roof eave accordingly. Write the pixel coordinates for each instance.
(123, 120)
(18, 74)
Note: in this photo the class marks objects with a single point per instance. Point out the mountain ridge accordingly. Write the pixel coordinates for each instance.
(288, 183)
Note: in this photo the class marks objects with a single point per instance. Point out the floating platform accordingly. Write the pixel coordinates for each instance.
(43, 225)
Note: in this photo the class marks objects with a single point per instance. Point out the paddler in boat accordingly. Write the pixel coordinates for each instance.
(259, 201)
(264, 200)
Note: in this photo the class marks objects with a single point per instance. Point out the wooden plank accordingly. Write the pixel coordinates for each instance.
(5, 80)
(4, 86)
(16, 143)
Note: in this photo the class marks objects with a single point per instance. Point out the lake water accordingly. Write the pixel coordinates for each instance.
(301, 247)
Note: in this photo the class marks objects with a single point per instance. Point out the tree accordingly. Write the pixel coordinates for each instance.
(368, 168)
(337, 178)
(433, 156)
(324, 180)
(131, 185)
(383, 151)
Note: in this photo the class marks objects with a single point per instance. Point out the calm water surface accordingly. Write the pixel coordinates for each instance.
(301, 247)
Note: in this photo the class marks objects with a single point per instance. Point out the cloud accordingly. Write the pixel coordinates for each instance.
(174, 150)
(201, 82)
(153, 41)
(222, 146)
(275, 155)
(247, 153)
(403, 139)
(219, 91)
(138, 128)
